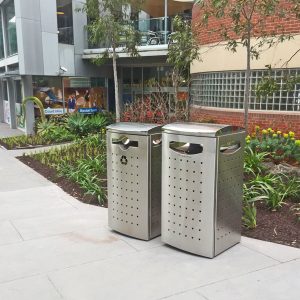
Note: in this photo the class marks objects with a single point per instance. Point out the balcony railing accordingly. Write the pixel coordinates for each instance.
(155, 31)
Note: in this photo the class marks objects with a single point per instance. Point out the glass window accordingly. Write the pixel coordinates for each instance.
(65, 21)
(18, 91)
(84, 92)
(10, 25)
(4, 90)
(49, 90)
(1, 39)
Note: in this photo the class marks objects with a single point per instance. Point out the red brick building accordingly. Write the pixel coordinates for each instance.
(218, 79)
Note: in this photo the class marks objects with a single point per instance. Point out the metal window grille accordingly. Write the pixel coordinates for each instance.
(226, 90)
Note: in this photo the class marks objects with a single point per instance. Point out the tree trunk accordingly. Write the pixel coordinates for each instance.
(247, 87)
(117, 96)
(175, 79)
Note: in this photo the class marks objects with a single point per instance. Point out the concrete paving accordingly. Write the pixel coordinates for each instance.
(55, 247)
(6, 131)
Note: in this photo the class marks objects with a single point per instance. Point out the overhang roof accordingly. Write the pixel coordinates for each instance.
(156, 8)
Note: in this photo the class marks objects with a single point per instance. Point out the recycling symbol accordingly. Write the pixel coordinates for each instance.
(124, 160)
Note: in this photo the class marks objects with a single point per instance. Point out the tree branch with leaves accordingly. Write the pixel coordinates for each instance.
(183, 50)
(110, 27)
(246, 27)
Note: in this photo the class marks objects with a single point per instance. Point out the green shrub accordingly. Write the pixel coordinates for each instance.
(82, 125)
(83, 162)
(253, 161)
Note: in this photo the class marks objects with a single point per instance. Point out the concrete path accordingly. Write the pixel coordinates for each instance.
(54, 247)
(6, 131)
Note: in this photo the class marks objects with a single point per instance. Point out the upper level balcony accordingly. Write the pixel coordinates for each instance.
(155, 25)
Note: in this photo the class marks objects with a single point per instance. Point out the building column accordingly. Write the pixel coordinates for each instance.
(1, 103)
(27, 91)
(12, 102)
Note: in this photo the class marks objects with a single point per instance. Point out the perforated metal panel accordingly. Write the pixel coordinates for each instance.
(229, 194)
(188, 195)
(130, 205)
(201, 192)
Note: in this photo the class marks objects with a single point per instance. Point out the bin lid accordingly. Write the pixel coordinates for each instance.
(134, 128)
(201, 129)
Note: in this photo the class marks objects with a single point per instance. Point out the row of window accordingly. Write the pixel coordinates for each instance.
(226, 90)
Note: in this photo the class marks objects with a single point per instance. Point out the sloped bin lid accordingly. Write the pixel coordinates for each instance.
(201, 129)
(134, 128)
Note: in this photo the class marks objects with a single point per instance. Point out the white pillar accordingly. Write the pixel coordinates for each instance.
(27, 91)
(12, 102)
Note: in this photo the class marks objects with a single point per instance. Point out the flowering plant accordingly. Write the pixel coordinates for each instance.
(280, 146)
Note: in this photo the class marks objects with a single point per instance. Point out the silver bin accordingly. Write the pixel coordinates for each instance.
(134, 179)
(202, 182)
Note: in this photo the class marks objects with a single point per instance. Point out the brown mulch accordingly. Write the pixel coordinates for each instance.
(279, 226)
(66, 184)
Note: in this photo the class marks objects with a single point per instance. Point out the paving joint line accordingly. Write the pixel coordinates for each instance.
(219, 281)
(55, 287)
(20, 235)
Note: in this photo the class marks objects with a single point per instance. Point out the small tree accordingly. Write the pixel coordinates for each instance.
(246, 28)
(183, 50)
(110, 26)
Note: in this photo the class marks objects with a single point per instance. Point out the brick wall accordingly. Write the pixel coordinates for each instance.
(272, 25)
(283, 121)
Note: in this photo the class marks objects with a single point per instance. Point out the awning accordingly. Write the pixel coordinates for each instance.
(156, 8)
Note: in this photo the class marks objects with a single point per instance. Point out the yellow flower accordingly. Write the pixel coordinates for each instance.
(257, 128)
(279, 132)
(275, 135)
(264, 131)
(248, 137)
(292, 134)
(270, 129)
(297, 143)
(248, 141)
(285, 135)
(253, 134)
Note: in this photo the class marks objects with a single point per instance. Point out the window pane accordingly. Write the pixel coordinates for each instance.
(65, 21)
(10, 24)
(1, 39)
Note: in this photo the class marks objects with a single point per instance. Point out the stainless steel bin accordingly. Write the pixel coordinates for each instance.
(134, 179)
(202, 181)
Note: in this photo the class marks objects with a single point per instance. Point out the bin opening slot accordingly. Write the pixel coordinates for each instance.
(230, 148)
(157, 142)
(186, 148)
(124, 142)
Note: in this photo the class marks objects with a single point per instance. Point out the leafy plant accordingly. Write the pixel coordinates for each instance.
(83, 162)
(250, 195)
(291, 187)
(253, 161)
(78, 124)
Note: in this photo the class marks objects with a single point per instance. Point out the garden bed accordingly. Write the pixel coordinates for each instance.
(279, 226)
(66, 184)
(28, 147)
